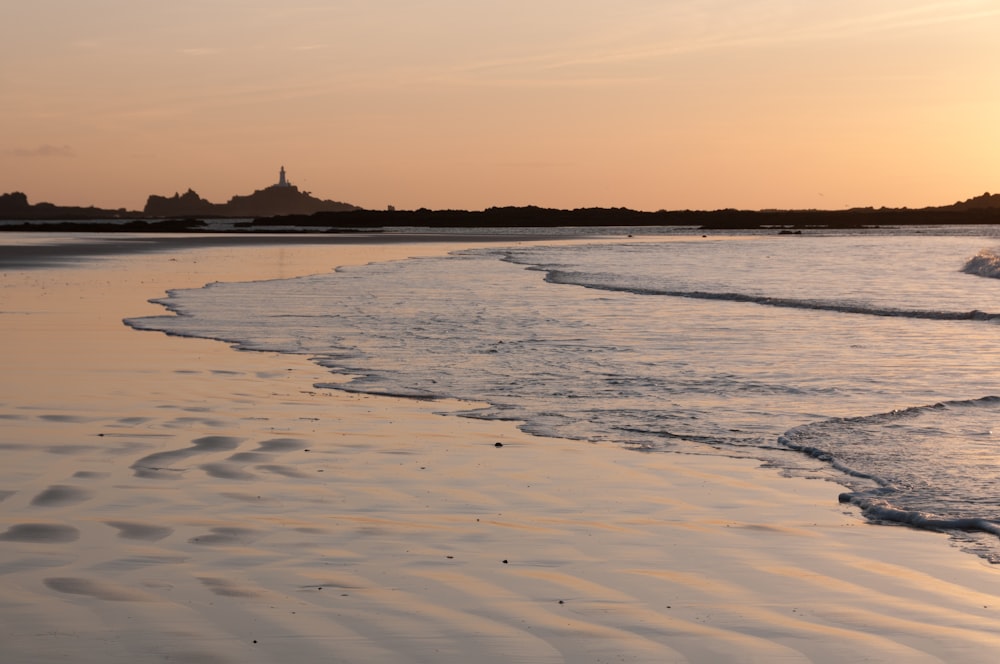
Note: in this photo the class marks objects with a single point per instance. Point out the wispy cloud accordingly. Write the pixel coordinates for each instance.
(926, 15)
(42, 151)
(633, 45)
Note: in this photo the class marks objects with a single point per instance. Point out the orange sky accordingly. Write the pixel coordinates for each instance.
(646, 104)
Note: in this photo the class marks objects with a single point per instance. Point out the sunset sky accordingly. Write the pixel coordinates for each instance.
(647, 104)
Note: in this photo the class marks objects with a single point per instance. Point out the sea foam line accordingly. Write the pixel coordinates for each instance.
(871, 502)
(878, 509)
(579, 279)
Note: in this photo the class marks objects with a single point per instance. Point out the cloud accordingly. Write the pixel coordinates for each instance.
(611, 52)
(45, 150)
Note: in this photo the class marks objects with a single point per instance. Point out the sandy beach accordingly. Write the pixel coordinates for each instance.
(170, 499)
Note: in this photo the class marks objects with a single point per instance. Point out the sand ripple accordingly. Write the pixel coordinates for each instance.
(160, 464)
(140, 531)
(43, 533)
(96, 589)
(61, 494)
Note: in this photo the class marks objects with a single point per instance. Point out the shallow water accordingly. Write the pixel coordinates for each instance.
(869, 358)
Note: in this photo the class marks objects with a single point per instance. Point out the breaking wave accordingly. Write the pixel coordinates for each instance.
(893, 462)
(984, 264)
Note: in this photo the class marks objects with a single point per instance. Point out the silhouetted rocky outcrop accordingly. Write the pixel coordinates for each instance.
(281, 200)
(188, 204)
(274, 200)
(986, 201)
(15, 205)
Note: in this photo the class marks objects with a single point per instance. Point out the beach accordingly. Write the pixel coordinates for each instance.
(173, 499)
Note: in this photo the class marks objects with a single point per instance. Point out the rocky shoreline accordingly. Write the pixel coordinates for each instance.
(525, 217)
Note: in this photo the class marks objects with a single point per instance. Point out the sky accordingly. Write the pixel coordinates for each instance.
(468, 104)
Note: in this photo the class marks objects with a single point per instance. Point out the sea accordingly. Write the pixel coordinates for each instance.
(869, 357)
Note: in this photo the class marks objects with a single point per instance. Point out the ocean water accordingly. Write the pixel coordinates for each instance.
(868, 357)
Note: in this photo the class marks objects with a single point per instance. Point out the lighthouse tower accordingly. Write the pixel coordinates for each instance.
(282, 182)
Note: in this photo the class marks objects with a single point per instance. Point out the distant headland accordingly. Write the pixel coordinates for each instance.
(282, 207)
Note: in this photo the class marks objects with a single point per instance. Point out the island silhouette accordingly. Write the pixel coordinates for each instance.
(283, 198)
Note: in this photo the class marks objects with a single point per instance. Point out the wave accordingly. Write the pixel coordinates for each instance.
(984, 264)
(592, 281)
(878, 509)
(609, 368)
(891, 462)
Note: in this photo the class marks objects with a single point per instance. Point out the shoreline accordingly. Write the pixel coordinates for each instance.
(159, 502)
(22, 250)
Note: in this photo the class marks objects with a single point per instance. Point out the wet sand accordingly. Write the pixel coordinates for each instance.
(168, 499)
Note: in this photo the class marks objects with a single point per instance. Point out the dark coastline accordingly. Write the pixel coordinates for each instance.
(534, 217)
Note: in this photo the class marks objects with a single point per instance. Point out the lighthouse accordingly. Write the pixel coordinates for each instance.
(282, 182)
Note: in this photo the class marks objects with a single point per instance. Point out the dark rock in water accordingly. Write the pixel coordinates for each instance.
(136, 226)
